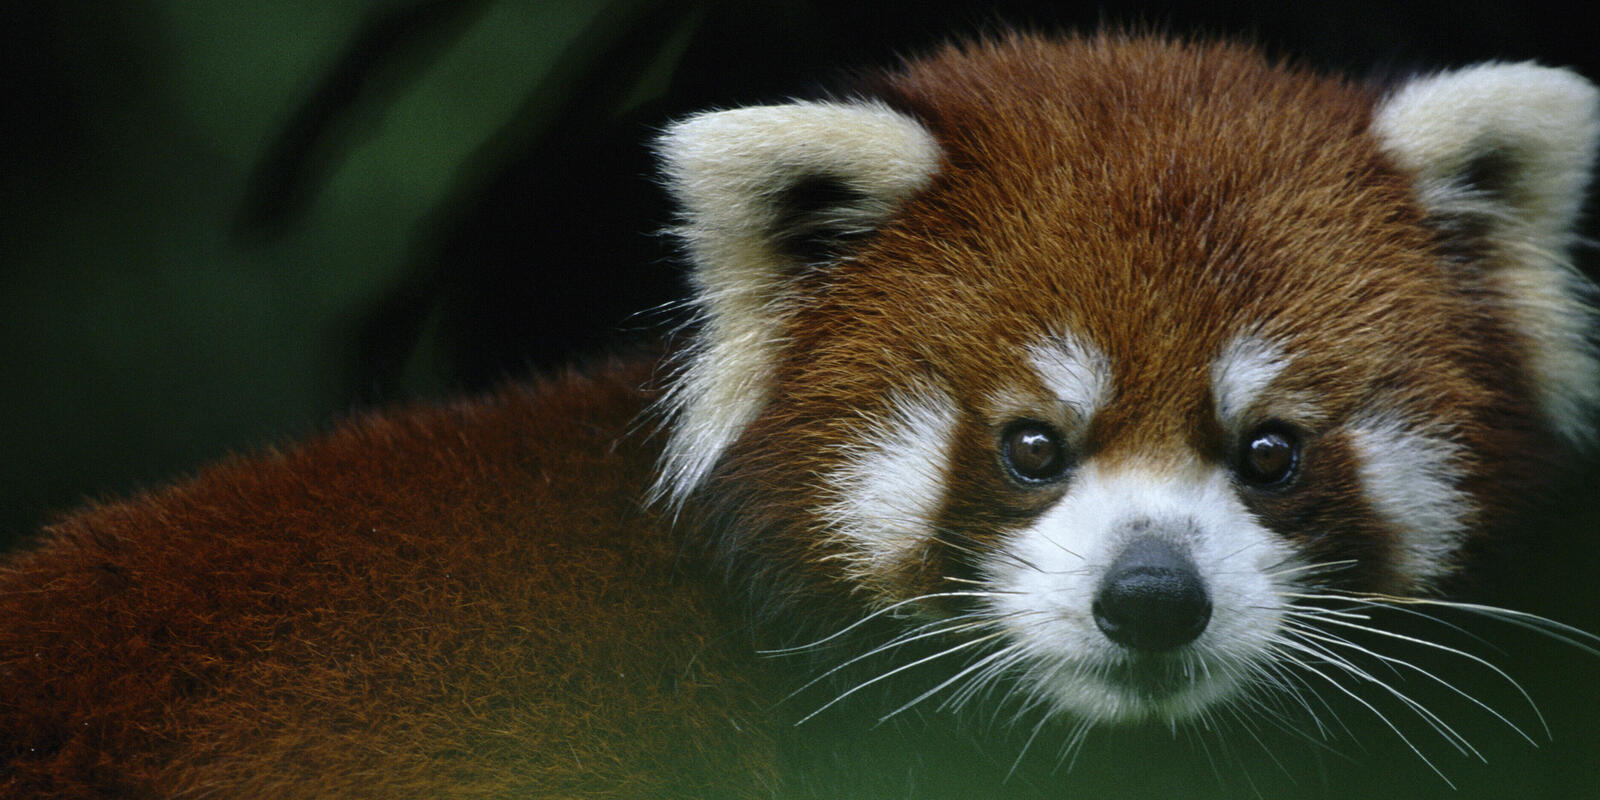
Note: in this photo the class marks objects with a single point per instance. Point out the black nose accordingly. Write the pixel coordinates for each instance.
(1152, 599)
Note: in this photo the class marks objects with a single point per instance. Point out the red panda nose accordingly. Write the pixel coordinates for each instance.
(1152, 598)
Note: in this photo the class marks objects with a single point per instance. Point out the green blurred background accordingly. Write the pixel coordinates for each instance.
(228, 225)
(147, 328)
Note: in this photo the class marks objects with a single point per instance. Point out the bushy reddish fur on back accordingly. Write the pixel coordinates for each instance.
(464, 601)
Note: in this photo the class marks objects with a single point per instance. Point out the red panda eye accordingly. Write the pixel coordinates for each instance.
(1033, 451)
(1269, 456)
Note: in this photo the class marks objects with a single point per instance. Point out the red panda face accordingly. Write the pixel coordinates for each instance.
(1112, 356)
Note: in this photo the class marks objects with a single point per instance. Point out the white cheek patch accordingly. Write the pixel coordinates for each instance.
(1240, 373)
(1411, 480)
(1075, 371)
(892, 483)
(1045, 582)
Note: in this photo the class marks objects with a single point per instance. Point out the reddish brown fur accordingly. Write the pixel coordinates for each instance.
(453, 602)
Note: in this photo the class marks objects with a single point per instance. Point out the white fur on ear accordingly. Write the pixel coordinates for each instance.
(1506, 151)
(732, 173)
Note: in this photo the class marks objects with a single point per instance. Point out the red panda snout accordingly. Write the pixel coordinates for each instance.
(1141, 593)
(1152, 598)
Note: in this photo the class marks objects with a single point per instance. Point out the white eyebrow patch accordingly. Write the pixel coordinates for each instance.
(1241, 372)
(892, 483)
(1075, 371)
(1411, 480)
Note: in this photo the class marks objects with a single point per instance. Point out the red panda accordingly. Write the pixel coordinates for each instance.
(1095, 377)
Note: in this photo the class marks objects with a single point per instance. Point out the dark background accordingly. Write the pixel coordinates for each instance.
(227, 225)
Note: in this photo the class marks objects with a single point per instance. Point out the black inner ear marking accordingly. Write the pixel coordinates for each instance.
(818, 217)
(1485, 184)
(1490, 173)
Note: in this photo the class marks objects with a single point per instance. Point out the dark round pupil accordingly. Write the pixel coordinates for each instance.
(1034, 452)
(1269, 457)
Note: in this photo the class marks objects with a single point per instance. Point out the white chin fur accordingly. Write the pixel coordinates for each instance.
(1045, 581)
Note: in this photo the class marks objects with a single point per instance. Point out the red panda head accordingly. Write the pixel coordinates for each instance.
(1115, 350)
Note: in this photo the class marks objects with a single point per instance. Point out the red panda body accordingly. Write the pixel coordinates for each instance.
(396, 609)
(1089, 372)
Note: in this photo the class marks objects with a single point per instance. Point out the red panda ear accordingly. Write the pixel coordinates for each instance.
(763, 188)
(763, 192)
(1501, 156)
(1511, 141)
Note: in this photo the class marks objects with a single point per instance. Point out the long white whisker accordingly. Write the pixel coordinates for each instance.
(1197, 738)
(1453, 651)
(1560, 631)
(963, 672)
(1270, 704)
(902, 668)
(1279, 719)
(1276, 689)
(985, 679)
(1353, 696)
(929, 630)
(1299, 570)
(1250, 729)
(1438, 723)
(1390, 607)
(1293, 680)
(868, 618)
(1444, 729)
(1027, 743)
(1074, 746)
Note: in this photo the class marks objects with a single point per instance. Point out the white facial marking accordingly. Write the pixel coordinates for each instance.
(1544, 124)
(892, 482)
(1241, 372)
(1046, 580)
(1075, 371)
(725, 169)
(1410, 479)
